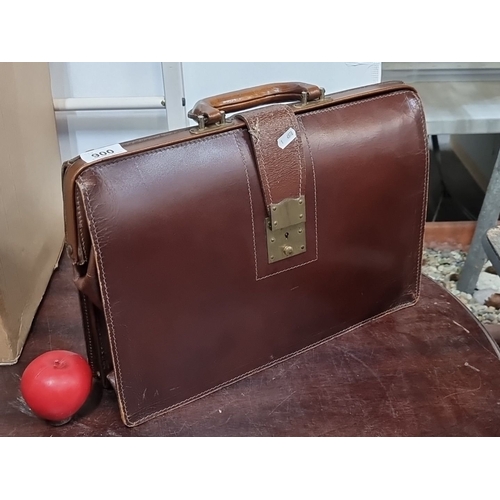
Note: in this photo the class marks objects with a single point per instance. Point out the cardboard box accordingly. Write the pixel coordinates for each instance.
(31, 216)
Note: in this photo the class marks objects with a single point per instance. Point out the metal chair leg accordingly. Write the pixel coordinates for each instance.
(487, 219)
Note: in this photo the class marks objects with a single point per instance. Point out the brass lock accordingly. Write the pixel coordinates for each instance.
(286, 229)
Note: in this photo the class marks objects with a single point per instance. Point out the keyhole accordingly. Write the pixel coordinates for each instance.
(286, 235)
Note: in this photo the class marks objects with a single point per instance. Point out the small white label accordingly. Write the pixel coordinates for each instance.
(287, 138)
(106, 152)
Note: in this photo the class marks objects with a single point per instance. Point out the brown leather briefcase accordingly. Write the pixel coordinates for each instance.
(207, 254)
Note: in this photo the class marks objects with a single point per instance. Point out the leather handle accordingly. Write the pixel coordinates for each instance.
(212, 108)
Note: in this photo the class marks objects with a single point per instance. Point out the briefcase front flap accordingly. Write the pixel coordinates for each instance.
(211, 120)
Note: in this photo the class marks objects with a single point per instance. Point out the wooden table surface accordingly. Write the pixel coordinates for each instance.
(429, 370)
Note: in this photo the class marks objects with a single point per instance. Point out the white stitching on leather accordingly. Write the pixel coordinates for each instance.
(107, 307)
(299, 120)
(298, 147)
(257, 278)
(255, 134)
(272, 363)
(425, 194)
(251, 203)
(315, 213)
(160, 150)
(416, 289)
(287, 269)
(355, 103)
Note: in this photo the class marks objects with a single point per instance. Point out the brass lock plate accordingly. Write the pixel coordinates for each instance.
(286, 229)
(289, 212)
(285, 243)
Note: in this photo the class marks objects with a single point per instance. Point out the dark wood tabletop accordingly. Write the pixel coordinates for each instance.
(429, 370)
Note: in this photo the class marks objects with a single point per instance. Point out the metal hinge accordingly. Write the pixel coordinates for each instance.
(286, 229)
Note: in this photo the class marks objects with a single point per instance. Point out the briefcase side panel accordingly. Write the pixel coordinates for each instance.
(178, 234)
(381, 169)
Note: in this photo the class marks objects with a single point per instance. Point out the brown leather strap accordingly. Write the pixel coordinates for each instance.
(281, 169)
(211, 107)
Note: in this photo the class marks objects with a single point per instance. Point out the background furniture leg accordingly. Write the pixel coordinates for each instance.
(488, 218)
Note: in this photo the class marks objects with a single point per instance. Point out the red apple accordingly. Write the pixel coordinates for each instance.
(56, 384)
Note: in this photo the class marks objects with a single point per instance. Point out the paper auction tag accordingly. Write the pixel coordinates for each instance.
(287, 138)
(105, 152)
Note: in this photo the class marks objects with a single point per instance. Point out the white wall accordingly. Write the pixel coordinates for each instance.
(206, 79)
(80, 131)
